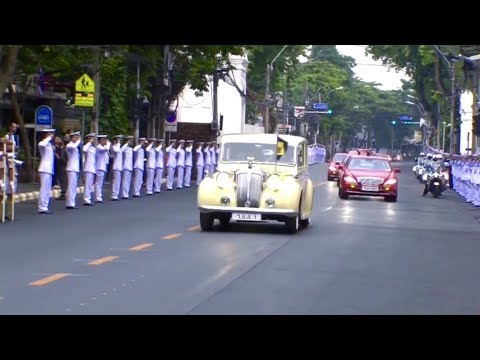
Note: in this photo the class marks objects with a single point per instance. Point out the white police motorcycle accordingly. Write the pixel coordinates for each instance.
(434, 179)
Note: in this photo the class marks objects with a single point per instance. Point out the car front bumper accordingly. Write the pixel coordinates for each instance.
(245, 210)
(370, 193)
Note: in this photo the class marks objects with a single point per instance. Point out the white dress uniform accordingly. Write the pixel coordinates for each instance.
(45, 170)
(139, 167)
(199, 163)
(117, 168)
(213, 159)
(217, 154)
(102, 160)
(12, 163)
(127, 168)
(73, 169)
(207, 160)
(158, 169)
(151, 162)
(171, 165)
(89, 169)
(180, 165)
(188, 163)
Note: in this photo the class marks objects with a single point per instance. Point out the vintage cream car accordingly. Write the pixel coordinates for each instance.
(260, 177)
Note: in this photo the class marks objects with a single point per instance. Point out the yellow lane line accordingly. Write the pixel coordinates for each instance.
(48, 279)
(102, 260)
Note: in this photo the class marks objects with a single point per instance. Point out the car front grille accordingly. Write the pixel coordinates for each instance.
(368, 181)
(249, 188)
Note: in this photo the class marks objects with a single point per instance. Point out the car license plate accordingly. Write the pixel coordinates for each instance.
(247, 217)
(369, 188)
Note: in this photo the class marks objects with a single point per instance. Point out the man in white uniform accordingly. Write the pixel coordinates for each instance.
(73, 169)
(171, 163)
(213, 158)
(102, 160)
(188, 163)
(207, 159)
(117, 166)
(139, 166)
(199, 162)
(89, 168)
(180, 164)
(159, 167)
(45, 170)
(127, 167)
(151, 162)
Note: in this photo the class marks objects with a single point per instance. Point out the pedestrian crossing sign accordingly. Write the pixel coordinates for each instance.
(85, 84)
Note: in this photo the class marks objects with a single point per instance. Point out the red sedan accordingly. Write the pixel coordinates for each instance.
(368, 175)
(333, 166)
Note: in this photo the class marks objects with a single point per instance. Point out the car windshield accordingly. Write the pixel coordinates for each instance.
(265, 153)
(338, 158)
(369, 164)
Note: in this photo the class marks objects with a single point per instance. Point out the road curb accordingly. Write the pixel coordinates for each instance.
(33, 195)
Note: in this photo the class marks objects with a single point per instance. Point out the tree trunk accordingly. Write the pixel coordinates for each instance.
(23, 133)
(8, 58)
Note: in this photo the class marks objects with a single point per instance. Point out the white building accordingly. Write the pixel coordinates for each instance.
(231, 104)
(466, 103)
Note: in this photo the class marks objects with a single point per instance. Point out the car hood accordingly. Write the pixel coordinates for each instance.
(370, 173)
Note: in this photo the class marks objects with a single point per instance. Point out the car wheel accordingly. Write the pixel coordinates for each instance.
(304, 223)
(206, 221)
(292, 224)
(341, 194)
(224, 219)
(391, 198)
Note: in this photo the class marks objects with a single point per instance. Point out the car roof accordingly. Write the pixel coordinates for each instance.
(340, 154)
(374, 157)
(262, 138)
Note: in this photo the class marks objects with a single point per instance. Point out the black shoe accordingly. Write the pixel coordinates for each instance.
(48, 212)
(99, 201)
(125, 198)
(136, 196)
(71, 207)
(113, 199)
(88, 204)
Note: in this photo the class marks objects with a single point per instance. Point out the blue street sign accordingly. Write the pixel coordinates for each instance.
(171, 117)
(406, 118)
(320, 106)
(43, 117)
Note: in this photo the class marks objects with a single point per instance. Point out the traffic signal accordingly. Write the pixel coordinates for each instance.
(476, 125)
(394, 122)
(329, 111)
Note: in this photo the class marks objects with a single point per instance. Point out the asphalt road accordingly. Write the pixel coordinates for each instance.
(148, 256)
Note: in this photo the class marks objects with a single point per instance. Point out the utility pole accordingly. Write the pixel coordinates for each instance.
(137, 106)
(437, 114)
(215, 98)
(452, 107)
(475, 108)
(96, 114)
(267, 101)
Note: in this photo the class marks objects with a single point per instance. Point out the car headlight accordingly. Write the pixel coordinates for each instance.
(332, 168)
(390, 182)
(274, 182)
(223, 179)
(350, 179)
(435, 175)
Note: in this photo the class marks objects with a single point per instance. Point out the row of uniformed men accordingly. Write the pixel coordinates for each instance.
(466, 177)
(147, 155)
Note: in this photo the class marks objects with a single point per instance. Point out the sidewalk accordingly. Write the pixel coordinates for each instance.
(30, 191)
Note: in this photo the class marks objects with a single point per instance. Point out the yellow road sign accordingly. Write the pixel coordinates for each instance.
(86, 100)
(85, 84)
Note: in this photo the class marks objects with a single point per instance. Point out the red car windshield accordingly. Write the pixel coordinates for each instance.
(338, 158)
(369, 164)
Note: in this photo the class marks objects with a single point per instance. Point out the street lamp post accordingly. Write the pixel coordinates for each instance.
(452, 97)
(267, 92)
(319, 116)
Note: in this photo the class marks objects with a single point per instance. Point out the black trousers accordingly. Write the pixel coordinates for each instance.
(60, 179)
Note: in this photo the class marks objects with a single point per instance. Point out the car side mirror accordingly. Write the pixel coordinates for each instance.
(341, 167)
(397, 171)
